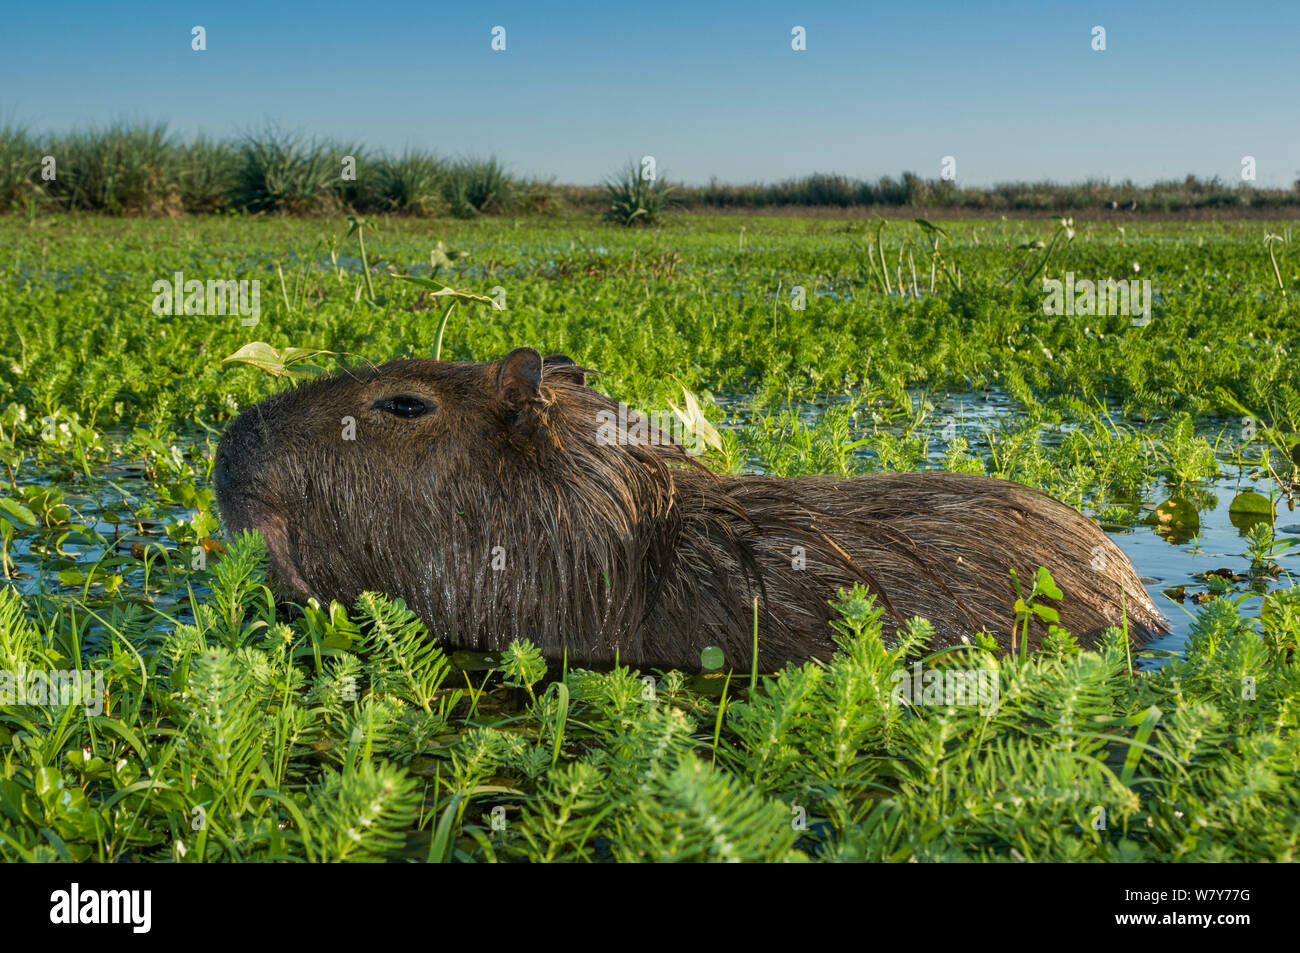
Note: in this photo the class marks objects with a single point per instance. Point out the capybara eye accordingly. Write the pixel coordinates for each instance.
(404, 406)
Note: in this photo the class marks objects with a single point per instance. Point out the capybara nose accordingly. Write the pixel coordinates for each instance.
(231, 469)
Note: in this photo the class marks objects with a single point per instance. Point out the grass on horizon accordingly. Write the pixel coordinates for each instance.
(140, 168)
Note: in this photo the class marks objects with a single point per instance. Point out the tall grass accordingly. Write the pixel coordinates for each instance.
(477, 186)
(411, 183)
(141, 168)
(281, 172)
(635, 199)
(20, 181)
(208, 174)
(119, 168)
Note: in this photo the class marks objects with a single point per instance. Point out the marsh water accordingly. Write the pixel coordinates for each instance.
(120, 504)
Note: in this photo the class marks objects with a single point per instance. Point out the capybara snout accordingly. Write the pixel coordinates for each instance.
(493, 500)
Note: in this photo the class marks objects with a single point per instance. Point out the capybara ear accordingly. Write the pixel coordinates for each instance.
(519, 381)
(563, 366)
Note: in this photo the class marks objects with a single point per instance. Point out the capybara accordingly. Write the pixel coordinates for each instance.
(488, 497)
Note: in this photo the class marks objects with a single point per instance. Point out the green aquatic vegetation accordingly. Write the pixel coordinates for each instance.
(1066, 229)
(523, 667)
(1115, 515)
(336, 736)
(233, 731)
(708, 320)
(1271, 240)
(1188, 457)
(357, 227)
(13, 515)
(958, 459)
(1262, 546)
(1028, 608)
(934, 235)
(1118, 456)
(784, 444)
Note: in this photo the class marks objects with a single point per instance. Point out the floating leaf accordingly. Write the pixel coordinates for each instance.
(1249, 508)
(439, 290)
(1251, 502)
(13, 512)
(1177, 511)
(1177, 520)
(290, 361)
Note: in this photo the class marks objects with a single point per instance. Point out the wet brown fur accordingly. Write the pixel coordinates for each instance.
(623, 549)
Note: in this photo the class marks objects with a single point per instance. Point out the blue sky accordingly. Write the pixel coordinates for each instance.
(1013, 91)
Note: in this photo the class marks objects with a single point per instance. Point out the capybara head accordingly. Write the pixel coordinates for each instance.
(484, 495)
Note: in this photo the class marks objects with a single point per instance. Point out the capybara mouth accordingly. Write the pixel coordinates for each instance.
(242, 509)
(281, 549)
